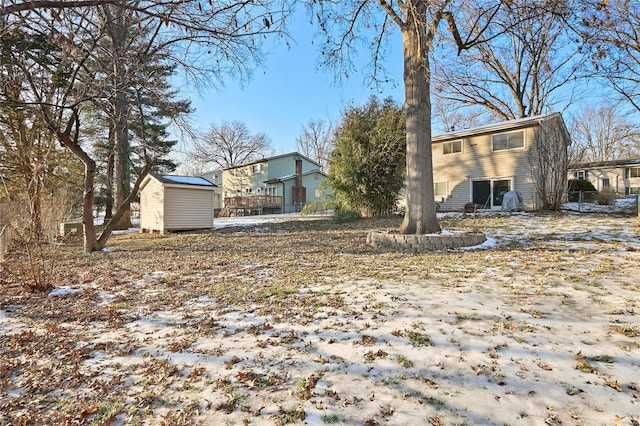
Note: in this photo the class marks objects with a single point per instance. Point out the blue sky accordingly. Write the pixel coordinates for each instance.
(290, 91)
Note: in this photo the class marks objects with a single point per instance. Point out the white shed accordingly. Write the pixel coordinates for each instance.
(174, 203)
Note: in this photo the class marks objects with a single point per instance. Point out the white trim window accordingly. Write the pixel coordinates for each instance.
(511, 140)
(580, 175)
(633, 172)
(440, 189)
(452, 147)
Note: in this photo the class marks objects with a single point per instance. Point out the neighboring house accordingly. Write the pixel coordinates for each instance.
(279, 184)
(621, 176)
(175, 203)
(215, 177)
(481, 164)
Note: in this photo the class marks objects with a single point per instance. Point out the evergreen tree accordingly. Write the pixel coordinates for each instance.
(367, 167)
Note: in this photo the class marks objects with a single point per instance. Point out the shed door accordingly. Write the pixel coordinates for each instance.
(481, 193)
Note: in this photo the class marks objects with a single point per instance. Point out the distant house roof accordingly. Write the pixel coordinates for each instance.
(293, 176)
(496, 127)
(262, 160)
(183, 180)
(611, 163)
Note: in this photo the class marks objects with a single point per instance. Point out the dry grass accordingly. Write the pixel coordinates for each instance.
(147, 340)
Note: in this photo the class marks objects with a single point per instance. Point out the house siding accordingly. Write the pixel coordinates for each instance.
(242, 181)
(215, 177)
(616, 175)
(151, 206)
(284, 166)
(310, 181)
(280, 170)
(618, 172)
(479, 162)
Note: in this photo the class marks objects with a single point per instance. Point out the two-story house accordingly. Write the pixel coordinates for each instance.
(279, 184)
(479, 165)
(215, 177)
(620, 176)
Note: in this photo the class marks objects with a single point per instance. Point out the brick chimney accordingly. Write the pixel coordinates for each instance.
(299, 191)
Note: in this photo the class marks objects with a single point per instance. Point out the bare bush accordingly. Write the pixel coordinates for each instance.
(30, 262)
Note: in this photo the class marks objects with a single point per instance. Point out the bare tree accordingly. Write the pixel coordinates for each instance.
(454, 117)
(530, 57)
(206, 38)
(611, 29)
(605, 134)
(230, 144)
(549, 163)
(347, 25)
(316, 141)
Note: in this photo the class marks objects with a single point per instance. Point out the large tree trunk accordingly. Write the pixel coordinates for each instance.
(122, 170)
(420, 216)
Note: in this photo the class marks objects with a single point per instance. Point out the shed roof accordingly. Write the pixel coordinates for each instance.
(183, 180)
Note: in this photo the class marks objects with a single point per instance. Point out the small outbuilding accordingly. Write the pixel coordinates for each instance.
(176, 203)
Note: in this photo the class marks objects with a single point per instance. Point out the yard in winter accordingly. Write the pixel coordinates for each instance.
(302, 322)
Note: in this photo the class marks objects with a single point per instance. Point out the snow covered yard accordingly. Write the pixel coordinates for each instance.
(301, 322)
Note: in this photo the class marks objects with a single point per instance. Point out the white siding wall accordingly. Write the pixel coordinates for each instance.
(478, 161)
(187, 208)
(151, 206)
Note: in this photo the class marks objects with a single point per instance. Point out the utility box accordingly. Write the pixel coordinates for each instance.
(71, 229)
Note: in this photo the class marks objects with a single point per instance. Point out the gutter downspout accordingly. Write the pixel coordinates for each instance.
(282, 210)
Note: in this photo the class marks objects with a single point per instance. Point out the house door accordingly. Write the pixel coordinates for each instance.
(482, 193)
(500, 187)
(488, 194)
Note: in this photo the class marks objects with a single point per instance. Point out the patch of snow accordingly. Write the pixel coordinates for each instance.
(64, 291)
(125, 231)
(490, 242)
(226, 222)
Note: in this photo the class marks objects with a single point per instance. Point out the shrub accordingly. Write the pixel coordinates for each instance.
(318, 206)
(346, 215)
(606, 197)
(575, 186)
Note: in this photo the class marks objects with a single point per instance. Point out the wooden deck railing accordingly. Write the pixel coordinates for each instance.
(253, 201)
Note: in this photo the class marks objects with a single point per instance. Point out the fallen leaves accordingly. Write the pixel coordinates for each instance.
(226, 327)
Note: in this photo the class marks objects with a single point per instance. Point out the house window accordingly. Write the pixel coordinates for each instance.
(580, 174)
(440, 189)
(256, 168)
(633, 172)
(631, 190)
(510, 140)
(606, 183)
(452, 147)
(500, 187)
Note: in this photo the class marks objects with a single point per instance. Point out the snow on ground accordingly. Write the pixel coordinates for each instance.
(225, 222)
(545, 333)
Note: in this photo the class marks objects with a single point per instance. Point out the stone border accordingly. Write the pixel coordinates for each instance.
(424, 242)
